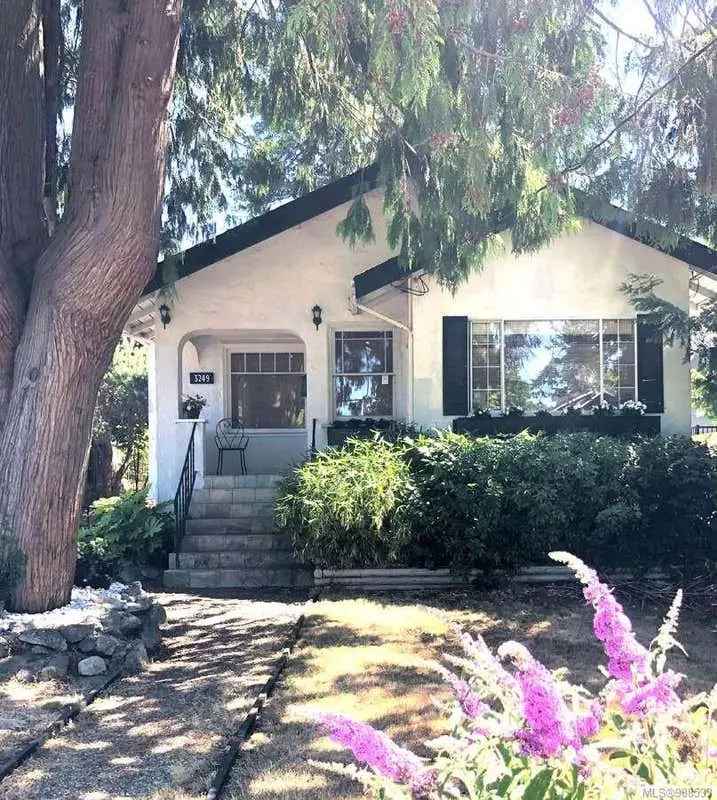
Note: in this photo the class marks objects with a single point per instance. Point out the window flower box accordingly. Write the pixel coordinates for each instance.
(342, 430)
(608, 425)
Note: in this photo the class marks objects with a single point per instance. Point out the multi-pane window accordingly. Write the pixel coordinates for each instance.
(618, 343)
(363, 373)
(552, 364)
(268, 389)
(486, 365)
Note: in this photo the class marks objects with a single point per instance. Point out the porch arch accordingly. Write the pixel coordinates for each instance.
(271, 449)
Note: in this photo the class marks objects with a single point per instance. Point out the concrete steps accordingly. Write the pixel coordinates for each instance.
(235, 559)
(288, 577)
(234, 540)
(231, 539)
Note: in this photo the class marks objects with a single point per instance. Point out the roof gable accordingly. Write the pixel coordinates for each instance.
(321, 200)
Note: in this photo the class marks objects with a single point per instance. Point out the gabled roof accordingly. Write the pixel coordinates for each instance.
(318, 202)
(270, 224)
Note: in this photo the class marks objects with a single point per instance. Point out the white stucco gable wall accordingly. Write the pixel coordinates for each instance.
(270, 287)
(575, 277)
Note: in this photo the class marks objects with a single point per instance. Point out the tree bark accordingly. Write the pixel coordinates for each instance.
(22, 228)
(86, 282)
(100, 480)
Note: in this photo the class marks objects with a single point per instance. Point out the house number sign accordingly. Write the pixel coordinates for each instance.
(201, 377)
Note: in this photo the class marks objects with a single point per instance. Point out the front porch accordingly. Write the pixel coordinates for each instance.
(252, 382)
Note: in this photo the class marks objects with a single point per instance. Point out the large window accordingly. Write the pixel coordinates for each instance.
(363, 373)
(552, 364)
(267, 389)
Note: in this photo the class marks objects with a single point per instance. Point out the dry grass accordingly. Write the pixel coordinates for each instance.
(359, 657)
(29, 707)
(157, 735)
(372, 658)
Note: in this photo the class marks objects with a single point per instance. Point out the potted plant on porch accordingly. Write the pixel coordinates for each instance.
(192, 406)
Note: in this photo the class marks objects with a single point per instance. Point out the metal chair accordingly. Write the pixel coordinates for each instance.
(230, 436)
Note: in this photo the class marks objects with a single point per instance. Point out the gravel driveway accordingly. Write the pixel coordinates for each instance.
(157, 735)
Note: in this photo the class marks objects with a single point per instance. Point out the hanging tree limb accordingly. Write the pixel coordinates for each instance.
(636, 110)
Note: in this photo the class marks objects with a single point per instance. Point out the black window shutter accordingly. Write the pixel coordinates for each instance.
(650, 384)
(455, 366)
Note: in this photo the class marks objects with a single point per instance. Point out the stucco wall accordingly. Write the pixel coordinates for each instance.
(576, 277)
(269, 291)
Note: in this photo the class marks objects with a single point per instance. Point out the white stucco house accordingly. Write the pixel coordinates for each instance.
(291, 330)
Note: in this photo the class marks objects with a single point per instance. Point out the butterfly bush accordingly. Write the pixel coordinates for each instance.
(518, 730)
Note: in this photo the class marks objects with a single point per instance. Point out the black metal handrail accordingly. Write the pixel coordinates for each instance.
(183, 496)
(698, 429)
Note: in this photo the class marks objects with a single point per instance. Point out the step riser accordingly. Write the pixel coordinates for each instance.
(237, 579)
(241, 481)
(234, 510)
(229, 526)
(236, 559)
(217, 542)
(235, 496)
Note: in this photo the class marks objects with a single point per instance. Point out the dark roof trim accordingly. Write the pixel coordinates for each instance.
(379, 276)
(696, 254)
(270, 224)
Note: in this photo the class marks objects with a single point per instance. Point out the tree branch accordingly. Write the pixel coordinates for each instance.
(622, 31)
(636, 110)
(22, 229)
(51, 45)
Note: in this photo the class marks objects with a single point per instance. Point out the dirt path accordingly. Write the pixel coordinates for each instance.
(156, 736)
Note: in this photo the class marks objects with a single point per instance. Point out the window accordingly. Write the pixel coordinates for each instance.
(363, 373)
(618, 338)
(485, 365)
(268, 389)
(552, 364)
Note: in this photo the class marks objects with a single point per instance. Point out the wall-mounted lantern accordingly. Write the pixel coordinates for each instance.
(316, 311)
(164, 315)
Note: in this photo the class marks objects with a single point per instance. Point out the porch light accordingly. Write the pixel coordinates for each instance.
(316, 311)
(164, 315)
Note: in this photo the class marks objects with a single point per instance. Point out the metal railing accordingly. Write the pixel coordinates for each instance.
(698, 429)
(183, 496)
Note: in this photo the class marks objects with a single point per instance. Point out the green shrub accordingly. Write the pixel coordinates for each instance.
(674, 479)
(12, 564)
(122, 529)
(343, 507)
(501, 503)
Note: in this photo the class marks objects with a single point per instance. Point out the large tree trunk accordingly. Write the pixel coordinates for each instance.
(22, 228)
(86, 281)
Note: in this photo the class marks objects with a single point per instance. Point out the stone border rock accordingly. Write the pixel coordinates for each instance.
(236, 738)
(89, 647)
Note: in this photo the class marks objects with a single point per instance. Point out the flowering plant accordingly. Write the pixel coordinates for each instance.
(573, 411)
(192, 405)
(481, 412)
(521, 731)
(633, 408)
(604, 409)
(514, 411)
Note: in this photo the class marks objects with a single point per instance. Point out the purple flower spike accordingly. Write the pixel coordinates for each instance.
(470, 703)
(549, 724)
(375, 749)
(655, 695)
(627, 658)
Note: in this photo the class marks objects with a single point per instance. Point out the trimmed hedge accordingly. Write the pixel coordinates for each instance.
(456, 501)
